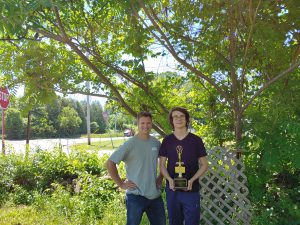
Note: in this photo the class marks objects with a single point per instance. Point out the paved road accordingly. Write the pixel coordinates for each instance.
(46, 144)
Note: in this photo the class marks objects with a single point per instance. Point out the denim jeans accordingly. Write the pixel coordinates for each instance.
(154, 208)
(183, 206)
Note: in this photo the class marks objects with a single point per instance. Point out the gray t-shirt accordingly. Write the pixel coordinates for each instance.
(140, 158)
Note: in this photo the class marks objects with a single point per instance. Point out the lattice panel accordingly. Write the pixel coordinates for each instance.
(224, 191)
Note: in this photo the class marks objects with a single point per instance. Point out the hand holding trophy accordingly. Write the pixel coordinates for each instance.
(179, 181)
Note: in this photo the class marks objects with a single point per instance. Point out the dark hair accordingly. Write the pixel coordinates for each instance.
(184, 111)
(144, 114)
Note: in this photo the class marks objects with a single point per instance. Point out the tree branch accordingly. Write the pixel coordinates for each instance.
(60, 25)
(252, 21)
(171, 49)
(103, 78)
(86, 93)
(287, 71)
(131, 79)
(49, 35)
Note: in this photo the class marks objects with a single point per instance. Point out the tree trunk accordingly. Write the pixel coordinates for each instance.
(238, 133)
(28, 127)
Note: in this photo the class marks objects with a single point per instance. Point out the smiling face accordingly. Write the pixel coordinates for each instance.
(179, 120)
(175, 116)
(144, 125)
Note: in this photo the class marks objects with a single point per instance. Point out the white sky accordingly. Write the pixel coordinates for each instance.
(157, 65)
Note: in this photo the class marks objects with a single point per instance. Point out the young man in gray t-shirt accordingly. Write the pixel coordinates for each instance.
(140, 155)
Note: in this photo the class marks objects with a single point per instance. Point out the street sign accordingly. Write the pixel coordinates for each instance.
(4, 97)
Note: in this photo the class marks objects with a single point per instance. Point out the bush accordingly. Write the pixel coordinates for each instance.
(14, 124)
(272, 168)
(6, 181)
(21, 196)
(73, 186)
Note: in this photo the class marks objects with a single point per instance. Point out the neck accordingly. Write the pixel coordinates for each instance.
(180, 133)
(182, 130)
(143, 136)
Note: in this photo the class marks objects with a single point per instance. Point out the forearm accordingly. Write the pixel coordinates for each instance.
(113, 172)
(164, 172)
(202, 169)
(160, 176)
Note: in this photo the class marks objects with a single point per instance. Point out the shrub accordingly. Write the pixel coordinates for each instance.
(73, 186)
(21, 196)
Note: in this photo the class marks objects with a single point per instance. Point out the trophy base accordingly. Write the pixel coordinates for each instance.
(180, 183)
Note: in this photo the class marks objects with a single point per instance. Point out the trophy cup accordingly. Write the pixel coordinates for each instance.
(180, 182)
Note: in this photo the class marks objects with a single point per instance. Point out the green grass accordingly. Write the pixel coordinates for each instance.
(28, 215)
(102, 145)
(105, 135)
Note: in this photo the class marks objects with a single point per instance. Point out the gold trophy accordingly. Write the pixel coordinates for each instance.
(180, 182)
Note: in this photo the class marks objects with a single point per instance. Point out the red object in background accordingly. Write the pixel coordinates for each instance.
(4, 97)
(128, 132)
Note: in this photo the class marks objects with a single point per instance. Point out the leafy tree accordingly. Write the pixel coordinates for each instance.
(69, 121)
(96, 116)
(99, 61)
(273, 159)
(41, 126)
(235, 59)
(235, 49)
(119, 121)
(14, 124)
(94, 127)
(33, 69)
(79, 107)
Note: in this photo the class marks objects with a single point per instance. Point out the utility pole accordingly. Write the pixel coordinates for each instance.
(88, 114)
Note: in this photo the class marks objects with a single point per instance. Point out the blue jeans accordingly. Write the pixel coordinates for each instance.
(154, 208)
(183, 206)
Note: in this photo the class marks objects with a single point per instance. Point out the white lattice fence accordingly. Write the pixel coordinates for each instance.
(224, 191)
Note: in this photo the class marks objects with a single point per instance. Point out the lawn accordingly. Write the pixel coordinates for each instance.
(103, 145)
